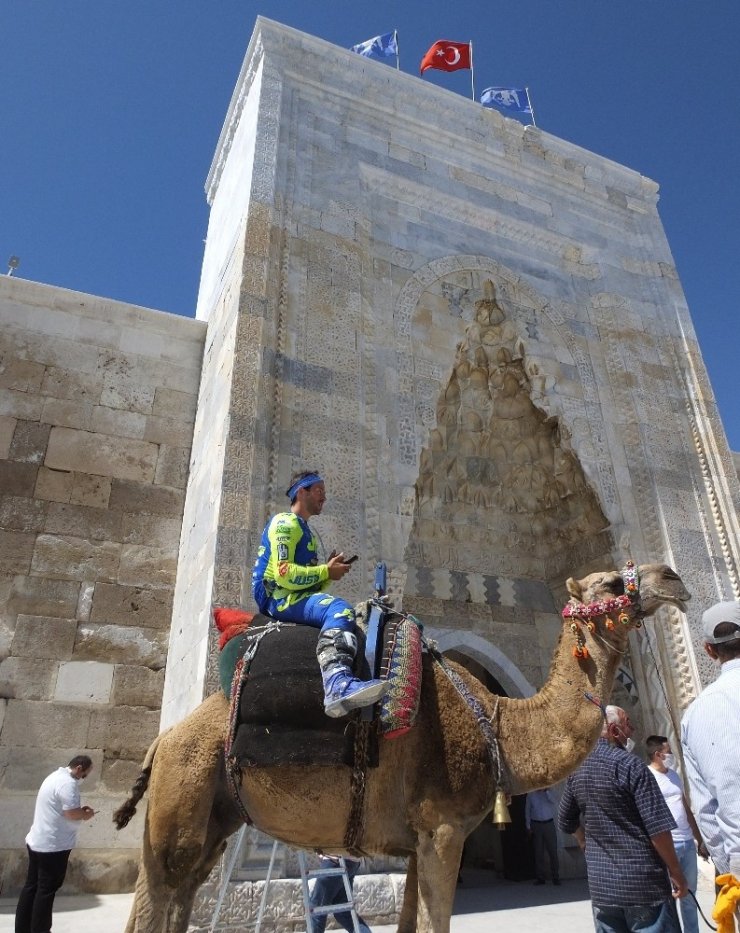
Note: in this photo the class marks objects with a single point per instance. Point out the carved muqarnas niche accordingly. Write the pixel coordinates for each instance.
(498, 472)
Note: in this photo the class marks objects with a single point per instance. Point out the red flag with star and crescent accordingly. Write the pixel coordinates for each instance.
(447, 56)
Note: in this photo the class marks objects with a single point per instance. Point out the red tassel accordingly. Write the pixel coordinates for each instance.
(231, 622)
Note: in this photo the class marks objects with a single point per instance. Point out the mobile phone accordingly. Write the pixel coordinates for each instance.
(351, 560)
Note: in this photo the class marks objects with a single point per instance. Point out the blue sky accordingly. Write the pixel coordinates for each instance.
(111, 112)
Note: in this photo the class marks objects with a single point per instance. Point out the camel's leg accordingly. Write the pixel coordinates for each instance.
(438, 861)
(407, 920)
(224, 821)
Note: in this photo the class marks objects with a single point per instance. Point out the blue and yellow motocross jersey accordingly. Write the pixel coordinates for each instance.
(287, 567)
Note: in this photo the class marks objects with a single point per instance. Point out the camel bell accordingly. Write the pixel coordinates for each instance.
(500, 815)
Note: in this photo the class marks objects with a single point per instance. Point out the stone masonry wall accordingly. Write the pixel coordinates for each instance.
(97, 403)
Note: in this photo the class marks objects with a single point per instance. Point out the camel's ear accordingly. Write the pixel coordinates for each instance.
(574, 588)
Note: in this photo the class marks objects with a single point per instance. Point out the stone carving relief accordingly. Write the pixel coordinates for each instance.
(499, 487)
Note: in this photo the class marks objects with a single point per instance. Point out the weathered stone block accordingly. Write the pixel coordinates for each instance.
(89, 489)
(118, 775)
(59, 557)
(147, 565)
(39, 597)
(63, 383)
(137, 686)
(155, 531)
(169, 403)
(29, 442)
(37, 723)
(28, 767)
(121, 645)
(123, 731)
(55, 485)
(69, 413)
(172, 466)
(17, 479)
(21, 404)
(21, 375)
(132, 605)
(118, 422)
(19, 513)
(84, 522)
(142, 497)
(7, 427)
(16, 551)
(27, 678)
(84, 682)
(87, 452)
(167, 431)
(127, 394)
(43, 637)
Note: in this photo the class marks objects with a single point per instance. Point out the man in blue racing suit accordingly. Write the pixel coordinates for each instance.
(288, 583)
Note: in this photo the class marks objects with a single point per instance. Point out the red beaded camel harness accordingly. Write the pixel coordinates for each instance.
(584, 614)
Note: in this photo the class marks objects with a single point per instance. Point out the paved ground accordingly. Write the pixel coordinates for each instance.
(503, 907)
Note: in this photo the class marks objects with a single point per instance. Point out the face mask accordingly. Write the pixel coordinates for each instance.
(629, 745)
(669, 761)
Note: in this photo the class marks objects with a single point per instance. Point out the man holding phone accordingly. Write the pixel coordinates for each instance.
(288, 583)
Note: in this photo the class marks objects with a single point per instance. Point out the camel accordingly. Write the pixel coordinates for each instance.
(432, 786)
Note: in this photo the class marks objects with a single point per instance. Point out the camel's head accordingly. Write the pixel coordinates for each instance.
(656, 584)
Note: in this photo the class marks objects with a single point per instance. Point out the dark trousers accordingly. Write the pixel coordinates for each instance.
(46, 871)
(545, 839)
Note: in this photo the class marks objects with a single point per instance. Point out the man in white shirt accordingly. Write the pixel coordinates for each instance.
(539, 817)
(50, 840)
(663, 765)
(710, 735)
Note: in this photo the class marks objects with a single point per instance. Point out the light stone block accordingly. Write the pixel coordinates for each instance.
(154, 531)
(59, 557)
(172, 466)
(119, 423)
(141, 497)
(87, 452)
(69, 413)
(23, 375)
(84, 682)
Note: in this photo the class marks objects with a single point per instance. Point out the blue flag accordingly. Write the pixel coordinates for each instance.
(385, 46)
(508, 98)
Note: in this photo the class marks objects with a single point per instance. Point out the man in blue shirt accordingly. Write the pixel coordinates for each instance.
(539, 813)
(614, 808)
(290, 584)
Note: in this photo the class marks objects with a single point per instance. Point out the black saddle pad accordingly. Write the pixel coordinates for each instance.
(281, 714)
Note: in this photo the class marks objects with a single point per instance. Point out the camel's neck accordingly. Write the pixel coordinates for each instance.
(545, 737)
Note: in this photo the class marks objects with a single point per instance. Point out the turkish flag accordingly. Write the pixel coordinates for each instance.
(447, 56)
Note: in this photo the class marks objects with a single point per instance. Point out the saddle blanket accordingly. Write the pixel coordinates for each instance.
(281, 718)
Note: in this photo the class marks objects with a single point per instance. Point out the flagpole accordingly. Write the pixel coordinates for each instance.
(398, 51)
(472, 73)
(531, 108)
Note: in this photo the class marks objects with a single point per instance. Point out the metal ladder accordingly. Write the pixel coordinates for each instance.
(306, 874)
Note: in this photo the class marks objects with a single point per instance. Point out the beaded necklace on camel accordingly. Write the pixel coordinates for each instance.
(585, 613)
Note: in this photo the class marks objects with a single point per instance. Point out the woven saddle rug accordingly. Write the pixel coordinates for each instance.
(280, 718)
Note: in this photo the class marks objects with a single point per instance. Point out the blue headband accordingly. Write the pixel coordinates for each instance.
(303, 483)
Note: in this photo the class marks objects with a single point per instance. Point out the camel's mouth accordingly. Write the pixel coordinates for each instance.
(653, 600)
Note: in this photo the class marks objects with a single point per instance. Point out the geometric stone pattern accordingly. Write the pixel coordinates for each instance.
(97, 402)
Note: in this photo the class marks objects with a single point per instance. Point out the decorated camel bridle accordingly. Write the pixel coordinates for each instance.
(585, 614)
